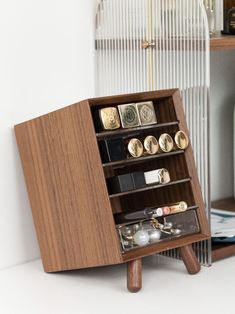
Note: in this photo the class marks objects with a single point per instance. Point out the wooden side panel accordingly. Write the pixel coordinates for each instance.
(195, 184)
(67, 190)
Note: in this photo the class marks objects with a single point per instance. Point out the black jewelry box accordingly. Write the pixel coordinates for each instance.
(138, 180)
(126, 182)
(112, 150)
(120, 183)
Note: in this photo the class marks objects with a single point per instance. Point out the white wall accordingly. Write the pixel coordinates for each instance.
(46, 62)
(221, 114)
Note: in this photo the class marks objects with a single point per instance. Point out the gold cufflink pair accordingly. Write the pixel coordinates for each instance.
(152, 146)
(128, 115)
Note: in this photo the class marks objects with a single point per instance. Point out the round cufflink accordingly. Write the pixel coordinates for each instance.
(181, 140)
(166, 143)
(135, 148)
(151, 145)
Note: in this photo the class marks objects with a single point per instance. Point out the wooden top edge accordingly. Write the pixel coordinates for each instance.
(132, 96)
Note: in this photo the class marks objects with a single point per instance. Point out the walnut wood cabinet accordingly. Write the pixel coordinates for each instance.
(66, 181)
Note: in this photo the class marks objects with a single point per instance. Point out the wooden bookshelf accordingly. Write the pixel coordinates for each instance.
(223, 250)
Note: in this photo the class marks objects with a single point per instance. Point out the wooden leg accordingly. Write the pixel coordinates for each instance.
(190, 260)
(134, 275)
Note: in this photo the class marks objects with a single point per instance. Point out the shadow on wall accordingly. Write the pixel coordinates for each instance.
(26, 247)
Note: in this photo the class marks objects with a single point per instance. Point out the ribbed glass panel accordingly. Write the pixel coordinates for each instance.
(177, 55)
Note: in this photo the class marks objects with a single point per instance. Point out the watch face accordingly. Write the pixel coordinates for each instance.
(151, 145)
(166, 143)
(129, 115)
(109, 118)
(181, 140)
(146, 113)
(135, 148)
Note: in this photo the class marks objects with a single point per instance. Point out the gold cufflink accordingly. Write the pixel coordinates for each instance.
(135, 148)
(166, 143)
(109, 118)
(151, 145)
(129, 116)
(146, 113)
(181, 140)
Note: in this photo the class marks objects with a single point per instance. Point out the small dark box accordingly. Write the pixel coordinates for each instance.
(112, 150)
(120, 183)
(138, 180)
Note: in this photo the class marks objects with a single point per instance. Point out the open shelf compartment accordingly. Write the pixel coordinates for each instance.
(179, 163)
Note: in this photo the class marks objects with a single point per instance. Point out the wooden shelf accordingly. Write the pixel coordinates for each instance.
(218, 41)
(220, 250)
(222, 42)
(224, 204)
(131, 161)
(152, 187)
(120, 132)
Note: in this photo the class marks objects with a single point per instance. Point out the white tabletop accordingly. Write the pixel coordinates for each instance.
(167, 289)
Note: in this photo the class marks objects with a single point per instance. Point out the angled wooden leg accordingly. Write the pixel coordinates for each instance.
(134, 275)
(190, 260)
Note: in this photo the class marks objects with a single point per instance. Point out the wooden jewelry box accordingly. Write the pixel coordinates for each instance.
(66, 180)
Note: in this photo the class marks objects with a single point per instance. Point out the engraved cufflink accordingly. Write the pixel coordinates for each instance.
(109, 118)
(166, 143)
(135, 148)
(181, 140)
(151, 145)
(146, 113)
(129, 116)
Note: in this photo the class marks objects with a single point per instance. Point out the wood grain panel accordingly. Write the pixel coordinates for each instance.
(222, 42)
(67, 190)
(195, 184)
